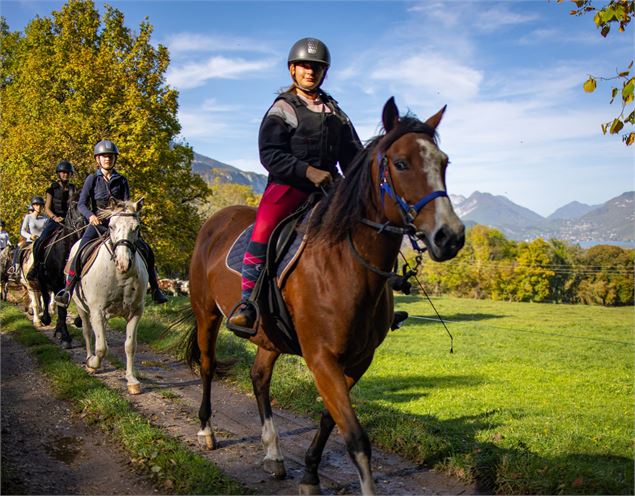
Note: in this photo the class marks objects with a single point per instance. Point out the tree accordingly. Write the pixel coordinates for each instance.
(73, 79)
(614, 13)
(224, 194)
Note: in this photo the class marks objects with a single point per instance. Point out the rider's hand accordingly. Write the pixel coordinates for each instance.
(94, 220)
(34, 237)
(317, 176)
(58, 219)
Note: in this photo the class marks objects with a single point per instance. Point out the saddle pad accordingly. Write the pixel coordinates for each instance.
(234, 260)
(88, 256)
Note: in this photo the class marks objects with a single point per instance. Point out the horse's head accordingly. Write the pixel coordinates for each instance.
(410, 171)
(124, 231)
(74, 220)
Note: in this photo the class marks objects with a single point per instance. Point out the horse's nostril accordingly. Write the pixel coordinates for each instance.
(441, 236)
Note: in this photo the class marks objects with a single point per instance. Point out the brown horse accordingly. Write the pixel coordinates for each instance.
(337, 293)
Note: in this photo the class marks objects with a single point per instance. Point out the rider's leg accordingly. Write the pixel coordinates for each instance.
(278, 201)
(49, 228)
(148, 255)
(63, 298)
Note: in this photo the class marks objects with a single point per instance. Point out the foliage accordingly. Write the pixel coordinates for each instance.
(490, 266)
(73, 79)
(614, 13)
(223, 194)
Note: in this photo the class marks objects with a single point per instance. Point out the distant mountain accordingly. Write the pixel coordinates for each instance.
(613, 221)
(209, 169)
(514, 221)
(573, 210)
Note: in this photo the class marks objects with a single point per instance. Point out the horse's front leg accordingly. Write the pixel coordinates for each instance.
(98, 323)
(310, 483)
(34, 298)
(61, 327)
(261, 372)
(134, 387)
(333, 385)
(47, 304)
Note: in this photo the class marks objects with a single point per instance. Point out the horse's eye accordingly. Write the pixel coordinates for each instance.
(400, 165)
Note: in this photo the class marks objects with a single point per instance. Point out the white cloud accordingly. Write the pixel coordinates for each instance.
(195, 42)
(492, 19)
(194, 74)
(429, 74)
(212, 105)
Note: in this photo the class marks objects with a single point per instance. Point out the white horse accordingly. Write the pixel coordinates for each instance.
(114, 286)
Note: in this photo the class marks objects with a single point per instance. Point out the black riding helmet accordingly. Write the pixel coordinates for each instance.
(104, 147)
(65, 166)
(37, 200)
(309, 50)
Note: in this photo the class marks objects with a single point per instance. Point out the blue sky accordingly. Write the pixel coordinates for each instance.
(518, 123)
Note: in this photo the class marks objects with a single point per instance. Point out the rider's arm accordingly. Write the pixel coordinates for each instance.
(274, 141)
(84, 202)
(350, 145)
(25, 232)
(47, 207)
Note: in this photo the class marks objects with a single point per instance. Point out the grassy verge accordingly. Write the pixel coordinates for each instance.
(536, 399)
(174, 468)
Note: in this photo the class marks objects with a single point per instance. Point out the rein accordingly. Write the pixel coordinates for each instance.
(122, 242)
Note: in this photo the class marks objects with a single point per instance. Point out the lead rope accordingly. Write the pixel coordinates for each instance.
(413, 272)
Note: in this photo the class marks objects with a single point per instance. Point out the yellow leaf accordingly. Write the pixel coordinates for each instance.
(590, 85)
(630, 139)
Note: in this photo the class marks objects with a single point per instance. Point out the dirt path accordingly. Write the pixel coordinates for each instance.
(48, 450)
(171, 397)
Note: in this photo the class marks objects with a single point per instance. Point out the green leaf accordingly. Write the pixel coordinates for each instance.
(590, 85)
(614, 92)
(631, 118)
(617, 126)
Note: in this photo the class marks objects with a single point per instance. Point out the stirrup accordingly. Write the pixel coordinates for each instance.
(63, 298)
(243, 331)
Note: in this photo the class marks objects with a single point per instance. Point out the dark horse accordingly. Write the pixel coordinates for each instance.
(337, 294)
(50, 271)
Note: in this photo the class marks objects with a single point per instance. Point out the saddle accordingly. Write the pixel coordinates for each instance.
(85, 257)
(284, 249)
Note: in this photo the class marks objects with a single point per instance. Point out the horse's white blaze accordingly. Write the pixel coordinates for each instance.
(433, 158)
(270, 441)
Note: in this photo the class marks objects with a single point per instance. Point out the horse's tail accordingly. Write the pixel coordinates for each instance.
(185, 325)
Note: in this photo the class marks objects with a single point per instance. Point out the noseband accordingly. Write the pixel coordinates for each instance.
(123, 242)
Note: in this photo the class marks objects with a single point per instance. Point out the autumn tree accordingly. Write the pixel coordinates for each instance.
(613, 15)
(75, 78)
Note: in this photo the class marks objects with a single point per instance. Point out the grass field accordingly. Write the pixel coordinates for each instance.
(535, 399)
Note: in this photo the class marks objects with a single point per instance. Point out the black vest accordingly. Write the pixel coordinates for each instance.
(59, 205)
(316, 140)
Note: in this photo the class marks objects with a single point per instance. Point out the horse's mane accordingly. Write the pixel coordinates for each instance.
(350, 199)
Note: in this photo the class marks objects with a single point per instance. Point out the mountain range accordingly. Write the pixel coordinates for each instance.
(609, 222)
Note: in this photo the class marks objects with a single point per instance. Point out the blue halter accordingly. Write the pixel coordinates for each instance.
(409, 211)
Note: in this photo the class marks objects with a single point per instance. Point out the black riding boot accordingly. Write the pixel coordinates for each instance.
(241, 321)
(63, 298)
(146, 252)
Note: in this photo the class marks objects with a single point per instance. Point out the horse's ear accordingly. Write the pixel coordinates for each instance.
(434, 121)
(390, 114)
(138, 204)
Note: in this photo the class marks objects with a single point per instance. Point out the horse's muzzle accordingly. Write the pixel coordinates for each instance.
(444, 243)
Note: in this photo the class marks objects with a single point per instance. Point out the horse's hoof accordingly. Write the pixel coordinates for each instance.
(134, 388)
(78, 322)
(91, 370)
(275, 468)
(46, 321)
(309, 489)
(206, 440)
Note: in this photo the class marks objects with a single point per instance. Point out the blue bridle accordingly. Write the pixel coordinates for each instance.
(409, 212)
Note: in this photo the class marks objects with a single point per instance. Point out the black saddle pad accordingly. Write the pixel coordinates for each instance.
(234, 260)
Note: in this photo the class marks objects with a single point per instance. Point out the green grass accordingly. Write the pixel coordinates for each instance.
(174, 468)
(536, 399)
